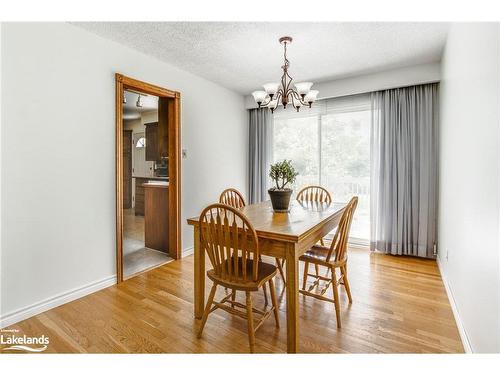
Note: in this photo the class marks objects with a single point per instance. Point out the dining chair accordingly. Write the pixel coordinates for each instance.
(316, 194)
(234, 198)
(232, 246)
(332, 257)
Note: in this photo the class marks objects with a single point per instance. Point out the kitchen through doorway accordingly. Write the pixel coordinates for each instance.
(148, 190)
(144, 248)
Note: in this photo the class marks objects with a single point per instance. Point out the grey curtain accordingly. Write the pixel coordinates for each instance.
(259, 155)
(404, 170)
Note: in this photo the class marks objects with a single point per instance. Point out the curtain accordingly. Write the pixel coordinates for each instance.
(404, 170)
(259, 154)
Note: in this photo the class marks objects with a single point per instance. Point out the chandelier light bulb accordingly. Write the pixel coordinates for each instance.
(297, 104)
(311, 97)
(272, 105)
(259, 96)
(271, 88)
(303, 88)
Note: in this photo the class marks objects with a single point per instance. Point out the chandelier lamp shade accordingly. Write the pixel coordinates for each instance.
(283, 92)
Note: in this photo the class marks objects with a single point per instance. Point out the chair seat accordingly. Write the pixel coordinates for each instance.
(318, 254)
(266, 272)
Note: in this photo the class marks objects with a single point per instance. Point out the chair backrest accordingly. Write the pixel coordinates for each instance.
(233, 198)
(230, 241)
(338, 248)
(314, 194)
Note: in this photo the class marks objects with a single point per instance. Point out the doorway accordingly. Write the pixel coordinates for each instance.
(147, 176)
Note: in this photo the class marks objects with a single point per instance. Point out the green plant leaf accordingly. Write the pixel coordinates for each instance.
(282, 173)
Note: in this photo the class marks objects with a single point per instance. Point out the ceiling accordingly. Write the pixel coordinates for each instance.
(242, 56)
(130, 109)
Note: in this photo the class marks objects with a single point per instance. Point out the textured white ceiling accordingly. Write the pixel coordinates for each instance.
(242, 56)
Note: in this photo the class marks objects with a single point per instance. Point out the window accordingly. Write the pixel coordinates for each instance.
(329, 145)
(141, 142)
(296, 139)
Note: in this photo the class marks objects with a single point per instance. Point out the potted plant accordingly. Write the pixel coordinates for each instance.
(282, 173)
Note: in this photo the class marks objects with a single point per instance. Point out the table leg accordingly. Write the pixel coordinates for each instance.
(292, 299)
(199, 276)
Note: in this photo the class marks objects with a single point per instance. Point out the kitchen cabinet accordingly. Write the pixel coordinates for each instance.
(139, 192)
(157, 135)
(156, 215)
(162, 139)
(152, 153)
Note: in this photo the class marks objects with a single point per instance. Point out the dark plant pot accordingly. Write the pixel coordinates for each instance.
(280, 199)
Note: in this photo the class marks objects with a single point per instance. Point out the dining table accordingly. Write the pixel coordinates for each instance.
(281, 235)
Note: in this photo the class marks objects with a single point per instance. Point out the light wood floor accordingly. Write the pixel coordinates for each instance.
(133, 231)
(400, 306)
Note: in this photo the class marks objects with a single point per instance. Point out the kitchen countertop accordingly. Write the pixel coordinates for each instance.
(156, 184)
(152, 177)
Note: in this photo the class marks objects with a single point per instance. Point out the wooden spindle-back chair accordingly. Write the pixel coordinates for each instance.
(234, 198)
(314, 193)
(232, 246)
(332, 257)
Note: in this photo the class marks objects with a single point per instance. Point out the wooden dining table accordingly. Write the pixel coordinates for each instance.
(281, 235)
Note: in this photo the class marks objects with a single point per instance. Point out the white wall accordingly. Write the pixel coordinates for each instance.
(58, 147)
(412, 75)
(499, 174)
(469, 224)
(1, 141)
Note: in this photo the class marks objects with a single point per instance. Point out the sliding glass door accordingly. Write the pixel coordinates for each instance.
(296, 139)
(329, 145)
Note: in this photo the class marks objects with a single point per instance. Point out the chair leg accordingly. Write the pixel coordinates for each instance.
(207, 309)
(304, 279)
(275, 302)
(280, 269)
(251, 332)
(264, 286)
(266, 302)
(316, 267)
(347, 287)
(336, 297)
(233, 297)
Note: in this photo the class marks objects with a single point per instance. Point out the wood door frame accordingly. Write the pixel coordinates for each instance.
(131, 162)
(174, 166)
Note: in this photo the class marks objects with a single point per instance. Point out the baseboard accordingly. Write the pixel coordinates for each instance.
(461, 329)
(188, 251)
(50, 303)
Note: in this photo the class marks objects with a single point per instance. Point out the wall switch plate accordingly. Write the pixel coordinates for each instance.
(184, 153)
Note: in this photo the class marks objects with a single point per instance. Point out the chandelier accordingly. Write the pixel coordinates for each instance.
(282, 92)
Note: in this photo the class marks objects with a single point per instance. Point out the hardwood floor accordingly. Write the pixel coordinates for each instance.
(399, 306)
